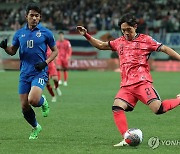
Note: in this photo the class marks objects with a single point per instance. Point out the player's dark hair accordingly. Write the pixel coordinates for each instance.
(33, 6)
(129, 19)
(61, 32)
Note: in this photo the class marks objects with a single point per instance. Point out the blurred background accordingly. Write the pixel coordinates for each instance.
(158, 18)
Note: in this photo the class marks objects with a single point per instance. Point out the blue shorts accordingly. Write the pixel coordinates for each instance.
(25, 83)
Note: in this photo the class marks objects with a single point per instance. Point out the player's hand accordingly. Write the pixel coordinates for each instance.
(81, 30)
(3, 44)
(40, 66)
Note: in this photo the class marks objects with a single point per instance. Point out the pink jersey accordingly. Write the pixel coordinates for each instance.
(48, 53)
(51, 66)
(133, 57)
(64, 48)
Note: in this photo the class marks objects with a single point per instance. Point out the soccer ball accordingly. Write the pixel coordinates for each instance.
(133, 136)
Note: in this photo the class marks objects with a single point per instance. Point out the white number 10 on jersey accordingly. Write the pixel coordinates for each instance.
(30, 43)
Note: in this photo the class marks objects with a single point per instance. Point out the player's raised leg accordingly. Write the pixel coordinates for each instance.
(45, 106)
(159, 107)
(35, 96)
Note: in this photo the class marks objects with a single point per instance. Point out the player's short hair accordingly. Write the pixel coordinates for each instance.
(61, 32)
(33, 6)
(129, 18)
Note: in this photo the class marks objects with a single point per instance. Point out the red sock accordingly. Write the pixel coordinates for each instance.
(56, 84)
(170, 104)
(65, 75)
(120, 121)
(59, 75)
(49, 88)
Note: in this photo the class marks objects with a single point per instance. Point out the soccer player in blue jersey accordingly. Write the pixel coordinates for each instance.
(32, 41)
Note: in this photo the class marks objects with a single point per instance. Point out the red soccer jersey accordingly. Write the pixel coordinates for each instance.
(51, 66)
(133, 57)
(64, 49)
(48, 53)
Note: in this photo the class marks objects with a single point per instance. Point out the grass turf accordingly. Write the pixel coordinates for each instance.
(81, 120)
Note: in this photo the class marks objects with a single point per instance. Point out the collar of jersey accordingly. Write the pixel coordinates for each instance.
(137, 35)
(38, 26)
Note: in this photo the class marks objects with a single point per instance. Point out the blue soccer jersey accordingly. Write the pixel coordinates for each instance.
(32, 48)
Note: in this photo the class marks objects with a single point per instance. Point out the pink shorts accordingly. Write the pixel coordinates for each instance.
(62, 63)
(52, 69)
(143, 91)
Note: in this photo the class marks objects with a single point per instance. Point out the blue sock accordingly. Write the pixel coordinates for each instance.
(30, 117)
(40, 103)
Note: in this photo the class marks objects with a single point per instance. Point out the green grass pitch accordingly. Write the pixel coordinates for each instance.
(81, 121)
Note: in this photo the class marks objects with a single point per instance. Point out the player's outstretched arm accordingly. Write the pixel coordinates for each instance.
(9, 50)
(94, 42)
(170, 52)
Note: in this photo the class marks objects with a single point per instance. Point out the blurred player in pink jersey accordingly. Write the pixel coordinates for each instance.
(64, 55)
(52, 74)
(136, 82)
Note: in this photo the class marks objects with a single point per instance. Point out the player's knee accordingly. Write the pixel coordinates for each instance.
(160, 110)
(32, 101)
(117, 108)
(25, 107)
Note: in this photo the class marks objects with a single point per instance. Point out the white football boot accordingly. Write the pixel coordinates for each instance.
(58, 91)
(65, 83)
(60, 82)
(53, 99)
(121, 144)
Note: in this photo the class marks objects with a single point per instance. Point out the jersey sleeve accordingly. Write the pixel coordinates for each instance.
(15, 40)
(69, 48)
(51, 40)
(112, 44)
(153, 44)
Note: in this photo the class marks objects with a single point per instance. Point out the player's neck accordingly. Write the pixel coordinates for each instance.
(31, 27)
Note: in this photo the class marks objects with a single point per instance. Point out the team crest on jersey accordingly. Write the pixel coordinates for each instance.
(38, 34)
(137, 45)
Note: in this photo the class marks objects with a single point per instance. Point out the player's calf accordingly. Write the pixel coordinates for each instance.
(168, 105)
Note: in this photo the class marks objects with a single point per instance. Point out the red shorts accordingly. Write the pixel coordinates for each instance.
(52, 69)
(62, 63)
(143, 91)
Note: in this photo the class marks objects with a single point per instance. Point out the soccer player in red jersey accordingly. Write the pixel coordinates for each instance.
(52, 74)
(64, 55)
(136, 82)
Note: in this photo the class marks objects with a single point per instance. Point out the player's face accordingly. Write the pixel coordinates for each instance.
(61, 37)
(33, 18)
(128, 31)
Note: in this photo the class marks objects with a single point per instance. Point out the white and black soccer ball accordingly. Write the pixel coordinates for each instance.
(133, 136)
